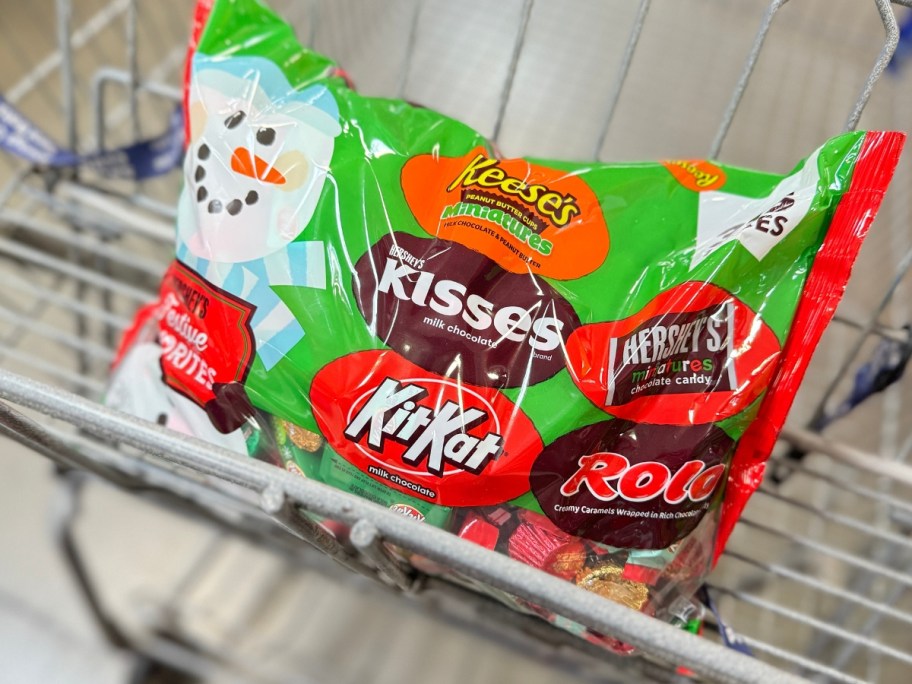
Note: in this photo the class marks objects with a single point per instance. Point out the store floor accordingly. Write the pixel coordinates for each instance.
(274, 622)
(46, 634)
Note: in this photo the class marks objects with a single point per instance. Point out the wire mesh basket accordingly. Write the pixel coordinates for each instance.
(816, 577)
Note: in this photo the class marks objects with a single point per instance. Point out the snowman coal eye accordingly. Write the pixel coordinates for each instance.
(235, 119)
(266, 136)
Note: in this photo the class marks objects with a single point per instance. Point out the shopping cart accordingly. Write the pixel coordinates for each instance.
(816, 578)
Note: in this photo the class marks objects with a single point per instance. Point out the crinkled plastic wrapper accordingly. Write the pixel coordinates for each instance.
(581, 365)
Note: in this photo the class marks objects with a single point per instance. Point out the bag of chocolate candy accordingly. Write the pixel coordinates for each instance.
(581, 365)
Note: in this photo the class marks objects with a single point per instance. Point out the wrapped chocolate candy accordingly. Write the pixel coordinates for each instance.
(606, 579)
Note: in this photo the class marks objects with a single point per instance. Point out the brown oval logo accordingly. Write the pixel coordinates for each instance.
(457, 313)
(631, 485)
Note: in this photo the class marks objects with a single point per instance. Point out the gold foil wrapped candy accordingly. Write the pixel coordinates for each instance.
(566, 561)
(605, 580)
(301, 438)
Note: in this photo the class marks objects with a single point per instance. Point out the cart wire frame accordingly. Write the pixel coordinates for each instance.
(95, 250)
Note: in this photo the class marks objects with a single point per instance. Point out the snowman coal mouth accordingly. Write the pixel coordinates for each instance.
(264, 136)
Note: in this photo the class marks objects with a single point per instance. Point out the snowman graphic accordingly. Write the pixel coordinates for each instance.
(136, 388)
(255, 168)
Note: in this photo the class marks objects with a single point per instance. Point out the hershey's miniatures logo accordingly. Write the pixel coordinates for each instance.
(673, 353)
(693, 354)
(438, 436)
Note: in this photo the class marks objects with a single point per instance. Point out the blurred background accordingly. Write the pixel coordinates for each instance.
(816, 578)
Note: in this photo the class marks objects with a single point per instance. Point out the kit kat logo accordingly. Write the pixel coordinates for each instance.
(407, 511)
(433, 436)
(429, 436)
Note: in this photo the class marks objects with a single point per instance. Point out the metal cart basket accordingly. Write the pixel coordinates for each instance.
(816, 578)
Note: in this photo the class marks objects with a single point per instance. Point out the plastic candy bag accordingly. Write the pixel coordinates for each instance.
(581, 365)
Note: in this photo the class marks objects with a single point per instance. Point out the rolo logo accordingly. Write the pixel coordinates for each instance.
(636, 486)
(643, 481)
(429, 436)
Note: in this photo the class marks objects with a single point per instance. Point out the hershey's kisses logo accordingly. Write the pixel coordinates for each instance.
(484, 172)
(438, 303)
(437, 434)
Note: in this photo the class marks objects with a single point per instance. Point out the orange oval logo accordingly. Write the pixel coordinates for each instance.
(698, 175)
(523, 216)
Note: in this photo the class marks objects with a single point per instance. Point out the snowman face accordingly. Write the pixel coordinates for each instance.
(258, 157)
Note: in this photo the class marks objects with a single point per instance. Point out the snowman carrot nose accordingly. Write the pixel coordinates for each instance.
(248, 164)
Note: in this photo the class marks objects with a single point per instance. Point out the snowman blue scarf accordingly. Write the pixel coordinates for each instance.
(275, 328)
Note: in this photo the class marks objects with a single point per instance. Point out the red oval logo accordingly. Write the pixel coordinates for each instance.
(429, 436)
(695, 354)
